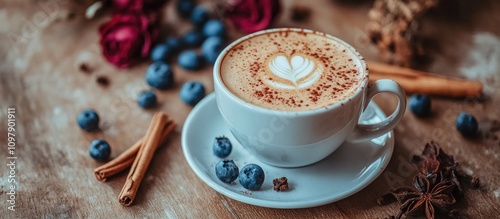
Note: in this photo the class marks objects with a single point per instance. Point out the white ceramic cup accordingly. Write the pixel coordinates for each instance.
(299, 138)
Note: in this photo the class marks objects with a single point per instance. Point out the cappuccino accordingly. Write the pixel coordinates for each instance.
(292, 70)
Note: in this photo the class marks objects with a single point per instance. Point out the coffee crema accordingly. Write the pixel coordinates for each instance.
(291, 70)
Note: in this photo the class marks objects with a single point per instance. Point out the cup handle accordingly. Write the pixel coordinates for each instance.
(364, 132)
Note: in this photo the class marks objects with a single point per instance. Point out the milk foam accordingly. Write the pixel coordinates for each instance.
(291, 70)
(301, 71)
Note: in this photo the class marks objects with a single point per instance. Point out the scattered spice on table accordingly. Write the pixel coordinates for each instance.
(280, 184)
(85, 68)
(437, 187)
(424, 197)
(103, 81)
(300, 13)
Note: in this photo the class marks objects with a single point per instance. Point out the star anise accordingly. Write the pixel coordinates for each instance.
(437, 184)
(423, 198)
(433, 159)
(438, 166)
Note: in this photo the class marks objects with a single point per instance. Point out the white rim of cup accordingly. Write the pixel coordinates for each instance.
(218, 78)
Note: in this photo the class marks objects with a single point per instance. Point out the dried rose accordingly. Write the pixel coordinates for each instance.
(126, 38)
(135, 5)
(251, 15)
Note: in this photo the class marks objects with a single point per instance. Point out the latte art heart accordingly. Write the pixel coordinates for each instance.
(291, 70)
(299, 71)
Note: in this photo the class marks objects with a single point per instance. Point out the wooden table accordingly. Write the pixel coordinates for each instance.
(40, 77)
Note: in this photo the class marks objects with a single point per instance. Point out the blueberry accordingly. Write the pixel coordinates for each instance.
(226, 171)
(192, 92)
(214, 28)
(161, 52)
(184, 7)
(159, 75)
(99, 150)
(251, 177)
(420, 105)
(222, 147)
(174, 43)
(211, 48)
(189, 60)
(466, 124)
(88, 120)
(192, 38)
(147, 99)
(199, 16)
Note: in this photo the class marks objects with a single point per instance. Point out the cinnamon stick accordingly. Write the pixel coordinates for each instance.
(143, 159)
(415, 81)
(125, 160)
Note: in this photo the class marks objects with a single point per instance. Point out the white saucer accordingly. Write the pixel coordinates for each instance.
(348, 170)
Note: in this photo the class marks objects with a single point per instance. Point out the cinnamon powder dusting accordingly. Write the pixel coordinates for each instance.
(250, 74)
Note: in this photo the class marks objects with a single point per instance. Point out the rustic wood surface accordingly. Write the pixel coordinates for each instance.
(40, 77)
